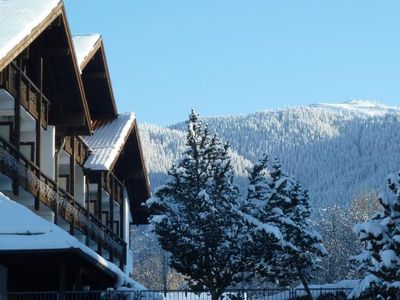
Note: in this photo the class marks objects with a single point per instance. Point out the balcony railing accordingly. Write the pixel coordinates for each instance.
(29, 177)
(32, 99)
(113, 186)
(76, 146)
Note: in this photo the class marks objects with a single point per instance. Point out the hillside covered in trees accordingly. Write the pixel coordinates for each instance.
(337, 151)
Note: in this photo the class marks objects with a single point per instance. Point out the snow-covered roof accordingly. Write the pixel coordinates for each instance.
(21, 229)
(84, 46)
(18, 18)
(107, 141)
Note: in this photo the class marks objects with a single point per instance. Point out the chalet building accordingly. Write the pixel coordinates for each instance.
(72, 174)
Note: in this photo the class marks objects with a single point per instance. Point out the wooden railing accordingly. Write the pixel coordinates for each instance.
(76, 147)
(113, 186)
(29, 177)
(17, 83)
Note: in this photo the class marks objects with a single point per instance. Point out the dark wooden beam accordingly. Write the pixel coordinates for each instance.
(111, 199)
(68, 120)
(17, 125)
(99, 210)
(135, 175)
(39, 127)
(122, 217)
(72, 182)
(95, 75)
(55, 51)
(62, 284)
(87, 198)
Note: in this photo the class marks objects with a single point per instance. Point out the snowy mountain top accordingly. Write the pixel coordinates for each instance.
(350, 109)
(368, 107)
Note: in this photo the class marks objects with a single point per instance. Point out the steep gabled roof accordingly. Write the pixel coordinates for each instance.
(116, 147)
(85, 47)
(21, 21)
(107, 142)
(23, 27)
(96, 78)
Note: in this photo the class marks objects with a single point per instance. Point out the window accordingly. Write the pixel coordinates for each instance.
(28, 150)
(6, 130)
(63, 181)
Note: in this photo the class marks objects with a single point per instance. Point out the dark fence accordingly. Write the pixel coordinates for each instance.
(245, 294)
(33, 296)
(323, 294)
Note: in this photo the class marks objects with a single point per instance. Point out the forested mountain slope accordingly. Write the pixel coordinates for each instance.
(336, 150)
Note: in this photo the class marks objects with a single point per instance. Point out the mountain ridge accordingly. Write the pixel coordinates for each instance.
(336, 150)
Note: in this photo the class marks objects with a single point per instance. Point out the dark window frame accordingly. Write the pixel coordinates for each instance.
(11, 125)
(68, 178)
(32, 144)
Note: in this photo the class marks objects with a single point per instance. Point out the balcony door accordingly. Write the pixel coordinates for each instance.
(6, 129)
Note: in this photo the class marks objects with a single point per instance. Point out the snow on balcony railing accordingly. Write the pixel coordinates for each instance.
(27, 175)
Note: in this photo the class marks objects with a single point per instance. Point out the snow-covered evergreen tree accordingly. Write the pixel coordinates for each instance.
(304, 249)
(380, 258)
(198, 220)
(284, 204)
(262, 222)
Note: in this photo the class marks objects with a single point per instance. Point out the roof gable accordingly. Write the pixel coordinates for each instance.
(26, 18)
(41, 31)
(92, 61)
(107, 142)
(85, 47)
(115, 146)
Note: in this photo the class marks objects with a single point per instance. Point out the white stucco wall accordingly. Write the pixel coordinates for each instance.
(48, 149)
(80, 186)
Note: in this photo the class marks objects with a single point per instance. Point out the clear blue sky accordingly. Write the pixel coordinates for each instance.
(229, 56)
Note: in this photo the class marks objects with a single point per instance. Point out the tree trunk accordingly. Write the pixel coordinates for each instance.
(305, 283)
(215, 295)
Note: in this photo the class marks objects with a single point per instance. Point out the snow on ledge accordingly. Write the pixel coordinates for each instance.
(18, 18)
(107, 142)
(22, 229)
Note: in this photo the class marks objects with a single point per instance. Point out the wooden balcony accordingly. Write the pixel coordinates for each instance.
(113, 186)
(28, 176)
(76, 147)
(24, 90)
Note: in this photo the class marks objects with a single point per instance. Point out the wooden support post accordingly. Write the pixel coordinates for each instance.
(111, 198)
(17, 126)
(57, 175)
(123, 233)
(99, 208)
(62, 284)
(122, 258)
(87, 196)
(38, 130)
(122, 219)
(111, 214)
(72, 182)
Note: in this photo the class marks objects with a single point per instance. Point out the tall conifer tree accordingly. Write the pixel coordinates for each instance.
(198, 220)
(380, 259)
(279, 201)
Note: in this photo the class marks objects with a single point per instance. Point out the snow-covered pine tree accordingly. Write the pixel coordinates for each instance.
(305, 249)
(197, 219)
(288, 203)
(262, 222)
(380, 258)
